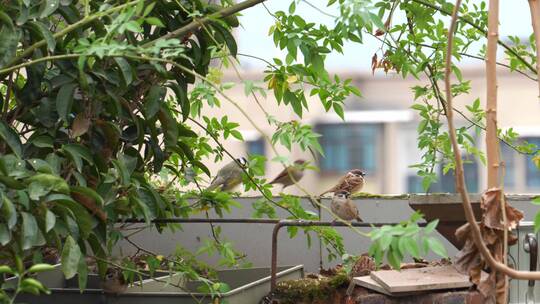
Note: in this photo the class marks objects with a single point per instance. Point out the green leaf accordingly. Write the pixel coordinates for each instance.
(64, 100)
(410, 245)
(169, 126)
(393, 259)
(536, 200)
(6, 269)
(77, 153)
(8, 212)
(33, 286)
(537, 222)
(82, 274)
(44, 33)
(431, 226)
(5, 234)
(377, 21)
(48, 7)
(8, 48)
(43, 141)
(41, 268)
(11, 138)
(147, 214)
(50, 220)
(154, 21)
(436, 246)
(84, 219)
(385, 241)
(90, 193)
(42, 183)
(125, 68)
(152, 101)
(227, 37)
(29, 231)
(71, 254)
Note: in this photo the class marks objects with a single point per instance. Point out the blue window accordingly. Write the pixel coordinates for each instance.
(447, 182)
(414, 184)
(256, 146)
(509, 157)
(533, 173)
(349, 146)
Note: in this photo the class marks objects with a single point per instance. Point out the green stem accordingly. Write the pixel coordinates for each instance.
(69, 29)
(41, 59)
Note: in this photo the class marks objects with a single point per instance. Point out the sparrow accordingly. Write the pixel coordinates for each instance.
(229, 176)
(351, 182)
(284, 177)
(114, 282)
(343, 206)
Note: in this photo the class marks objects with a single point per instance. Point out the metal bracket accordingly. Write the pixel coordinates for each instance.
(530, 246)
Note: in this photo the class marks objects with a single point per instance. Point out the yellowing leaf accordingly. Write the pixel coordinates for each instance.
(292, 79)
(536, 161)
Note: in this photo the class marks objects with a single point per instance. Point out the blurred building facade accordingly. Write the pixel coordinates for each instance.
(380, 131)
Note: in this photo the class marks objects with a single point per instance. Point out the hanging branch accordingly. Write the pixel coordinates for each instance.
(460, 177)
(535, 18)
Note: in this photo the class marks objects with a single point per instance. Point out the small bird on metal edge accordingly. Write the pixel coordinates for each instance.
(114, 282)
(296, 170)
(351, 182)
(230, 176)
(343, 206)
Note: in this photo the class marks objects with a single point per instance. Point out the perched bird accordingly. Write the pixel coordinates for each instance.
(114, 282)
(343, 206)
(229, 176)
(296, 171)
(351, 182)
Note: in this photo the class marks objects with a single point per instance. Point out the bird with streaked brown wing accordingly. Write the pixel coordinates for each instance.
(351, 182)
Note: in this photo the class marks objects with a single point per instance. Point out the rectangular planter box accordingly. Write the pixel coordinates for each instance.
(248, 286)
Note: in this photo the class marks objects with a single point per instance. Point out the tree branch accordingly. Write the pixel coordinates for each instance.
(460, 180)
(198, 22)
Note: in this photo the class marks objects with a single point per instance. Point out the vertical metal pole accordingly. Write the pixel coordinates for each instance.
(273, 270)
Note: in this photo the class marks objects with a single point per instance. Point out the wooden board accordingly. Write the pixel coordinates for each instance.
(419, 279)
(369, 283)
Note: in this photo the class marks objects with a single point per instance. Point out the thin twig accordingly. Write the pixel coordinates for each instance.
(480, 29)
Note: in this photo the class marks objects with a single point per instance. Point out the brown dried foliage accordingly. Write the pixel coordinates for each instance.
(384, 63)
(469, 260)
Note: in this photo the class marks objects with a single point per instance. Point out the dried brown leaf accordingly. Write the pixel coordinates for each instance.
(80, 125)
(486, 287)
(374, 61)
(491, 205)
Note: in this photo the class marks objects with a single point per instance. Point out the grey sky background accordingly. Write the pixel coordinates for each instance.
(254, 39)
